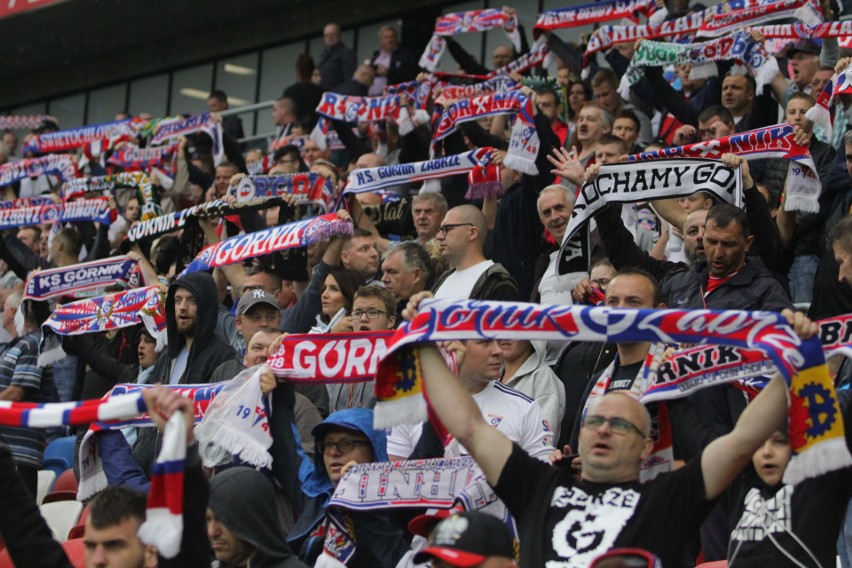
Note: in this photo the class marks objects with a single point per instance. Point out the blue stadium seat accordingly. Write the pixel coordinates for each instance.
(59, 455)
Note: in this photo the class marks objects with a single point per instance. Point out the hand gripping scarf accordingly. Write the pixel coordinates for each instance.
(27, 121)
(636, 181)
(803, 187)
(138, 181)
(801, 363)
(104, 313)
(292, 235)
(823, 112)
(164, 525)
(806, 11)
(607, 36)
(376, 179)
(738, 46)
(169, 130)
(60, 165)
(96, 210)
(307, 188)
(524, 143)
(79, 137)
(593, 13)
(696, 368)
(352, 109)
(464, 22)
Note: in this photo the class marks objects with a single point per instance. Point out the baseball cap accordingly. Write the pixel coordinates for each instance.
(251, 298)
(467, 539)
(804, 46)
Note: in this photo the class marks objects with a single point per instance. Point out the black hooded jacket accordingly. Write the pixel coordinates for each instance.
(208, 351)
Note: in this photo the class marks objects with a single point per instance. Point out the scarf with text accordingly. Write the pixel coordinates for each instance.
(524, 142)
(607, 36)
(132, 158)
(418, 91)
(171, 222)
(25, 121)
(329, 358)
(137, 181)
(166, 481)
(738, 46)
(96, 210)
(803, 186)
(805, 11)
(353, 109)
(81, 280)
(26, 202)
(823, 112)
(593, 13)
(292, 235)
(78, 137)
(630, 182)
(307, 188)
(384, 177)
(167, 131)
(59, 165)
(465, 22)
(696, 368)
(801, 363)
(325, 135)
(499, 84)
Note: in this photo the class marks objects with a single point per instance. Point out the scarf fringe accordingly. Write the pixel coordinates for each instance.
(163, 530)
(658, 17)
(409, 410)
(704, 70)
(807, 15)
(245, 447)
(820, 116)
(801, 203)
(20, 320)
(765, 73)
(484, 190)
(52, 353)
(829, 455)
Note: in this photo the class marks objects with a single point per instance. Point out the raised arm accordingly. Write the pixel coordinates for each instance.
(726, 456)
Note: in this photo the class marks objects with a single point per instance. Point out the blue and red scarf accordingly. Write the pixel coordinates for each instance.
(60, 165)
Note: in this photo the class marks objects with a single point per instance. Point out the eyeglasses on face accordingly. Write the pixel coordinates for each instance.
(344, 445)
(444, 229)
(618, 425)
(371, 314)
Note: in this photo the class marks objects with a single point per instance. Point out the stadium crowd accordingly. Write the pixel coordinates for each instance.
(498, 184)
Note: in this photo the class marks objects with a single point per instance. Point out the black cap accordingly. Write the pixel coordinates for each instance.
(467, 539)
(804, 46)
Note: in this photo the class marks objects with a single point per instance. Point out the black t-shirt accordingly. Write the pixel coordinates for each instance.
(564, 522)
(802, 520)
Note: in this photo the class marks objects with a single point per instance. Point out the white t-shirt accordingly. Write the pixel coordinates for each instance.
(555, 290)
(514, 414)
(459, 284)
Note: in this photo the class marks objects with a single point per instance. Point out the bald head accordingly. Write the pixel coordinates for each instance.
(628, 407)
(473, 215)
(370, 161)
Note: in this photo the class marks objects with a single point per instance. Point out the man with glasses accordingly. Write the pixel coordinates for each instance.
(461, 237)
(373, 309)
(567, 521)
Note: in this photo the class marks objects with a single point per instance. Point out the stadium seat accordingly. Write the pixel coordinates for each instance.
(61, 516)
(59, 455)
(64, 489)
(714, 564)
(78, 530)
(75, 550)
(46, 478)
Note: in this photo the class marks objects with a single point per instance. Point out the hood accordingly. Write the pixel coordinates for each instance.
(243, 499)
(203, 287)
(358, 419)
(534, 360)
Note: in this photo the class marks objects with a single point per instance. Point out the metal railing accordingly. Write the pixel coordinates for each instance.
(267, 136)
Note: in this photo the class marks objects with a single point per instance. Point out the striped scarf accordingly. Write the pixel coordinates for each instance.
(818, 449)
(167, 131)
(806, 11)
(138, 181)
(823, 112)
(97, 210)
(593, 13)
(292, 235)
(309, 188)
(466, 22)
(79, 137)
(803, 186)
(352, 109)
(132, 158)
(83, 279)
(27, 121)
(524, 143)
(60, 165)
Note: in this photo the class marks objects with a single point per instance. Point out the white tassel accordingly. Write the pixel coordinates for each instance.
(20, 320)
(408, 410)
(765, 74)
(658, 17)
(704, 70)
(807, 15)
(822, 457)
(51, 355)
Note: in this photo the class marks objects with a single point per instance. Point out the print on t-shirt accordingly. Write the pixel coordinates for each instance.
(762, 517)
(591, 524)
